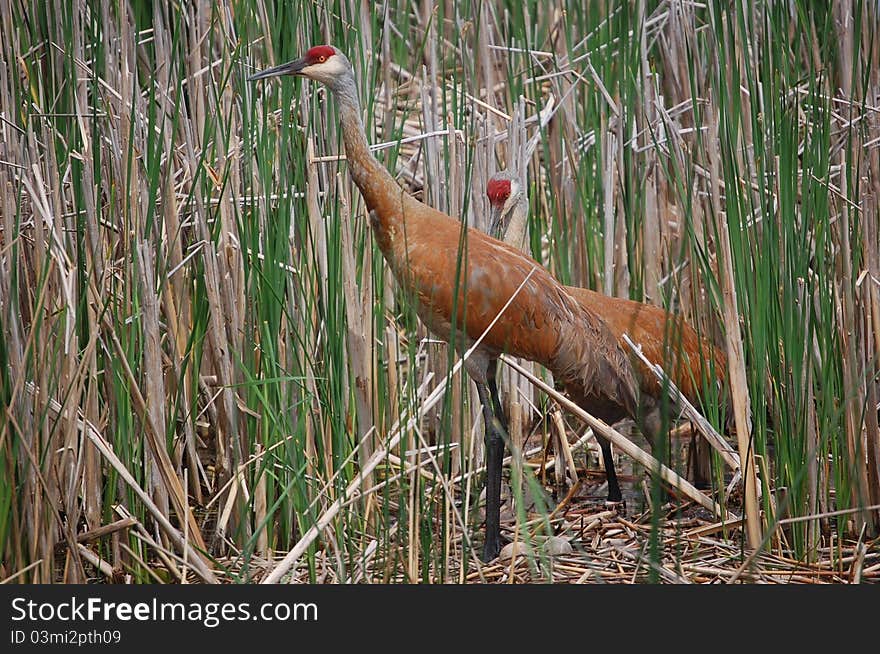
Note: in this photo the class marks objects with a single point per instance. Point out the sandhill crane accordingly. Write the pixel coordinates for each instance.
(423, 248)
(662, 336)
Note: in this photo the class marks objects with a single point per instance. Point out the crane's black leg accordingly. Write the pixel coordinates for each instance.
(494, 436)
(613, 487)
(699, 461)
(493, 389)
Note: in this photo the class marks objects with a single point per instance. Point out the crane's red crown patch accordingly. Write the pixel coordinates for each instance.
(498, 190)
(320, 53)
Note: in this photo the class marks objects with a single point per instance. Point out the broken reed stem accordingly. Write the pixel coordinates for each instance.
(105, 530)
(564, 449)
(516, 445)
(559, 457)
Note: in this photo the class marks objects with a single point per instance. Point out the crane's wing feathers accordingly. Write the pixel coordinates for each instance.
(665, 339)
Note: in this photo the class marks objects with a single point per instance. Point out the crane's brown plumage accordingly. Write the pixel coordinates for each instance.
(542, 323)
(665, 339)
(423, 248)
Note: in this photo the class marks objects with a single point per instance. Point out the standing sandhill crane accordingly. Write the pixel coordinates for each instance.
(656, 330)
(459, 303)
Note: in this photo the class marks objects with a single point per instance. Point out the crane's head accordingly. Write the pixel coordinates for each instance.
(323, 63)
(506, 196)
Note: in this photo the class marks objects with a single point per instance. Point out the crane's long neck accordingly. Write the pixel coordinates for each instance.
(381, 192)
(515, 234)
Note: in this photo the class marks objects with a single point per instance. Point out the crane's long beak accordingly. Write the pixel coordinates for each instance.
(290, 68)
(496, 223)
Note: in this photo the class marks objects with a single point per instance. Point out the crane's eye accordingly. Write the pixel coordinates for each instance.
(322, 59)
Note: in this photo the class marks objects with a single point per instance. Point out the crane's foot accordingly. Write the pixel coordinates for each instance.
(618, 506)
